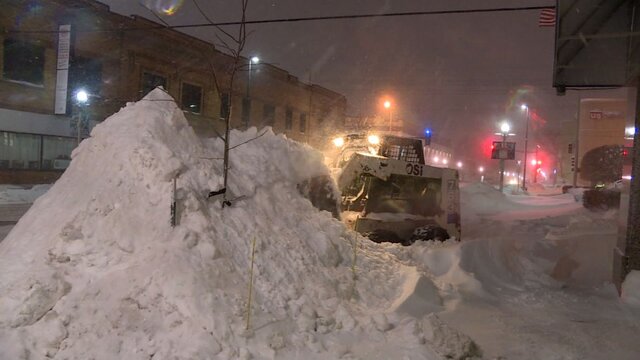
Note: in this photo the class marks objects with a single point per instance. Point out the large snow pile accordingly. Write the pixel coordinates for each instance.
(94, 269)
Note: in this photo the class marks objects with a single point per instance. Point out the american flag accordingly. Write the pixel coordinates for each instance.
(547, 17)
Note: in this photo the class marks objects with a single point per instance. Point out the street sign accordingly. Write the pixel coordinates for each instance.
(503, 150)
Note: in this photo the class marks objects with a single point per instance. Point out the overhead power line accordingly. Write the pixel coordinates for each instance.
(305, 19)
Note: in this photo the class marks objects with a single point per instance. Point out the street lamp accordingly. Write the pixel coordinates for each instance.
(82, 97)
(504, 131)
(537, 164)
(252, 60)
(481, 171)
(459, 164)
(524, 107)
(387, 105)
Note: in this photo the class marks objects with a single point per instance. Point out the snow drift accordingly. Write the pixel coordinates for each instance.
(94, 269)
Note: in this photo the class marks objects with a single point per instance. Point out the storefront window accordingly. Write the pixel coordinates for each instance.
(56, 152)
(19, 151)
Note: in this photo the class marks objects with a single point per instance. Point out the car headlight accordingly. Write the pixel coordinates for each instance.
(338, 142)
(373, 139)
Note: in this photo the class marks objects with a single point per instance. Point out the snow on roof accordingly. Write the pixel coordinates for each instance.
(94, 268)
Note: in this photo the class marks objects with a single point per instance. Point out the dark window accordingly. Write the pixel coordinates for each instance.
(191, 98)
(288, 120)
(224, 106)
(268, 115)
(303, 123)
(23, 61)
(151, 81)
(85, 74)
(246, 111)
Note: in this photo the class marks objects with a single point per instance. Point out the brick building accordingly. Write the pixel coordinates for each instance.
(53, 48)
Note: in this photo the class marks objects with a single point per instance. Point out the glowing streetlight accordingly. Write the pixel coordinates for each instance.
(81, 99)
(459, 164)
(255, 60)
(436, 159)
(82, 96)
(387, 105)
(534, 162)
(505, 128)
(481, 169)
(445, 161)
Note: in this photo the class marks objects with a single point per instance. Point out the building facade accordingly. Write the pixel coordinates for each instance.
(52, 49)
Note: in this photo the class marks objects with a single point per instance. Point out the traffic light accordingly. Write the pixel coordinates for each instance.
(427, 136)
(573, 163)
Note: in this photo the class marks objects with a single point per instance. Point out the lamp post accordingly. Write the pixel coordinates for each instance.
(252, 60)
(526, 140)
(504, 130)
(538, 162)
(387, 105)
(481, 171)
(81, 99)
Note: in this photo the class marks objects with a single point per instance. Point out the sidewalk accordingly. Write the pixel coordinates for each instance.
(9, 216)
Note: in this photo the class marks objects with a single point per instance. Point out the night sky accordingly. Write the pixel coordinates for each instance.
(458, 74)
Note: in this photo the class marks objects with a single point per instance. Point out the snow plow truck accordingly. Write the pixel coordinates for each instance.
(390, 194)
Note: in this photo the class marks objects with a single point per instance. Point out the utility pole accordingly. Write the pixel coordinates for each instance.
(526, 142)
(503, 152)
(576, 148)
(502, 147)
(631, 251)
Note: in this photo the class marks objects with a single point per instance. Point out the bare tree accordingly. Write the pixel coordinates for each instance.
(234, 45)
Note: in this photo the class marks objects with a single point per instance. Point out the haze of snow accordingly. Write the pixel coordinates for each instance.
(94, 269)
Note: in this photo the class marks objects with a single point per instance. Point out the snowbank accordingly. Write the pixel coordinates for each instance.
(631, 289)
(94, 269)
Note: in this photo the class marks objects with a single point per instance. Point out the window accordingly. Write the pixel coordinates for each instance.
(192, 98)
(224, 106)
(246, 111)
(23, 61)
(56, 152)
(303, 123)
(268, 115)
(86, 74)
(151, 81)
(288, 120)
(19, 151)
